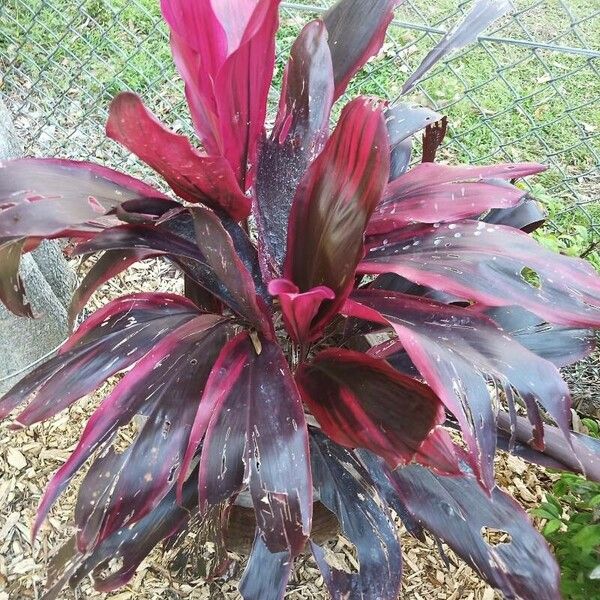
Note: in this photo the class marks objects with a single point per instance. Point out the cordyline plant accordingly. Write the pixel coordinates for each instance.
(323, 358)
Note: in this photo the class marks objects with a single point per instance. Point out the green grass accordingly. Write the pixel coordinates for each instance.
(503, 103)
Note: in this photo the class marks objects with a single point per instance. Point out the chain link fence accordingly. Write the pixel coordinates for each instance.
(529, 90)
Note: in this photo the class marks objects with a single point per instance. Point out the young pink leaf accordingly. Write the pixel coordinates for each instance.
(192, 176)
(356, 33)
(257, 435)
(334, 203)
(299, 309)
(485, 263)
(457, 351)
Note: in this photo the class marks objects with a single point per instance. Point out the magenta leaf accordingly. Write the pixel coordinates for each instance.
(356, 33)
(483, 14)
(192, 176)
(457, 351)
(485, 263)
(12, 290)
(431, 193)
(334, 203)
(362, 402)
(299, 309)
(346, 489)
(109, 341)
(225, 53)
(300, 131)
(266, 574)
(459, 512)
(144, 473)
(257, 436)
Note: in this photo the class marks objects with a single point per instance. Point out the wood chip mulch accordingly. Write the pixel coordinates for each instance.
(29, 457)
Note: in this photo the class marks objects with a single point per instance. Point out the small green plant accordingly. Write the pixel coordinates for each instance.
(572, 514)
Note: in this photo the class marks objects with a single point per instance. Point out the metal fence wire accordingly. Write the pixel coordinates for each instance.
(528, 90)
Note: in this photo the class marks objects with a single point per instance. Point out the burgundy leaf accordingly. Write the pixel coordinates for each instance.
(395, 283)
(581, 455)
(362, 402)
(483, 13)
(193, 176)
(298, 136)
(60, 194)
(143, 390)
(220, 252)
(403, 121)
(131, 545)
(109, 341)
(147, 210)
(356, 33)
(206, 269)
(123, 487)
(459, 512)
(299, 309)
(257, 435)
(457, 351)
(266, 574)
(334, 203)
(109, 265)
(527, 215)
(346, 489)
(430, 193)
(561, 345)
(12, 290)
(484, 262)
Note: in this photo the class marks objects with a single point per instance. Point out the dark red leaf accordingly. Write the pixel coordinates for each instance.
(144, 390)
(121, 488)
(458, 511)
(298, 136)
(430, 193)
(257, 435)
(12, 290)
(109, 265)
(484, 262)
(266, 574)
(356, 33)
(334, 203)
(457, 351)
(193, 176)
(362, 402)
(346, 489)
(109, 341)
(464, 33)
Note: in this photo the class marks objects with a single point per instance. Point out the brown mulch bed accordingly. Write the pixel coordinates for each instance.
(29, 457)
